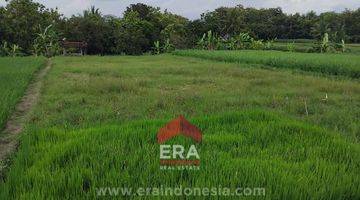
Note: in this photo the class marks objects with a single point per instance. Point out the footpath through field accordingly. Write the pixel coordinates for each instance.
(15, 124)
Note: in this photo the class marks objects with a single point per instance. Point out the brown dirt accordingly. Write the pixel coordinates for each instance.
(14, 126)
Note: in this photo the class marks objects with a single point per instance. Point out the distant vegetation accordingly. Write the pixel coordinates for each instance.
(345, 65)
(142, 27)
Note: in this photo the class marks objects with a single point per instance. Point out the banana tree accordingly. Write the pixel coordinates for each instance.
(46, 42)
(325, 44)
(168, 47)
(157, 48)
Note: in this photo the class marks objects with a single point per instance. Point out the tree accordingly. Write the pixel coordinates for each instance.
(132, 39)
(46, 42)
(352, 24)
(89, 27)
(23, 18)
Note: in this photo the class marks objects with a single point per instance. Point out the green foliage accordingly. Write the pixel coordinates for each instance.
(325, 44)
(246, 147)
(15, 50)
(344, 65)
(244, 41)
(157, 48)
(10, 50)
(168, 47)
(290, 47)
(46, 42)
(208, 41)
(5, 49)
(187, 85)
(268, 45)
(15, 75)
(21, 20)
(341, 47)
(142, 25)
(257, 45)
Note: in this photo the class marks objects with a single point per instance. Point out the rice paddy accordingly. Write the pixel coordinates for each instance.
(328, 64)
(294, 134)
(15, 75)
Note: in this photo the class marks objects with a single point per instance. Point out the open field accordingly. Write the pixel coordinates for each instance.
(330, 64)
(82, 92)
(15, 75)
(252, 148)
(96, 124)
(307, 47)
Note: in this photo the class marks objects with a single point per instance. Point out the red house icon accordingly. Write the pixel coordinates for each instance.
(179, 126)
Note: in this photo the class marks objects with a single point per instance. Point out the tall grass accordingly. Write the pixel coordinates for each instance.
(291, 160)
(331, 64)
(84, 91)
(15, 75)
(97, 119)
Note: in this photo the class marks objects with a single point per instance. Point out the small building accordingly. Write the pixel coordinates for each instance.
(74, 48)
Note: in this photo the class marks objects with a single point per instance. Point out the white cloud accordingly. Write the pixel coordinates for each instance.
(193, 8)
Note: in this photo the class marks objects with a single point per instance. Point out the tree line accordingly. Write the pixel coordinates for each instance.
(23, 23)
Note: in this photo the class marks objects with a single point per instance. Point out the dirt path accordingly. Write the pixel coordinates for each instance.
(15, 124)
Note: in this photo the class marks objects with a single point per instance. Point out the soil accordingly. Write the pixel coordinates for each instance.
(14, 126)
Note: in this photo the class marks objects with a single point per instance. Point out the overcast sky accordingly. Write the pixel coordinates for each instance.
(193, 8)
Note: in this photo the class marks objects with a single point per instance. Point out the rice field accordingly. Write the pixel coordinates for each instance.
(307, 46)
(329, 64)
(15, 75)
(248, 148)
(96, 123)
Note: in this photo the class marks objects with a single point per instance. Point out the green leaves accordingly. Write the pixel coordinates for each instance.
(166, 48)
(46, 42)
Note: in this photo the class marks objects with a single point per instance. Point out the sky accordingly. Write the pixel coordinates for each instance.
(193, 8)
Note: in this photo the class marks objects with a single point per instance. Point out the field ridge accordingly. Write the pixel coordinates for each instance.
(15, 124)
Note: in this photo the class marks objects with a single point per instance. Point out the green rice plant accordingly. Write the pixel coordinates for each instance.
(344, 65)
(291, 160)
(96, 123)
(15, 75)
(196, 87)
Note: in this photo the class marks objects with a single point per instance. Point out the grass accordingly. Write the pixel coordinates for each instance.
(88, 91)
(330, 64)
(97, 119)
(15, 75)
(304, 45)
(246, 148)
